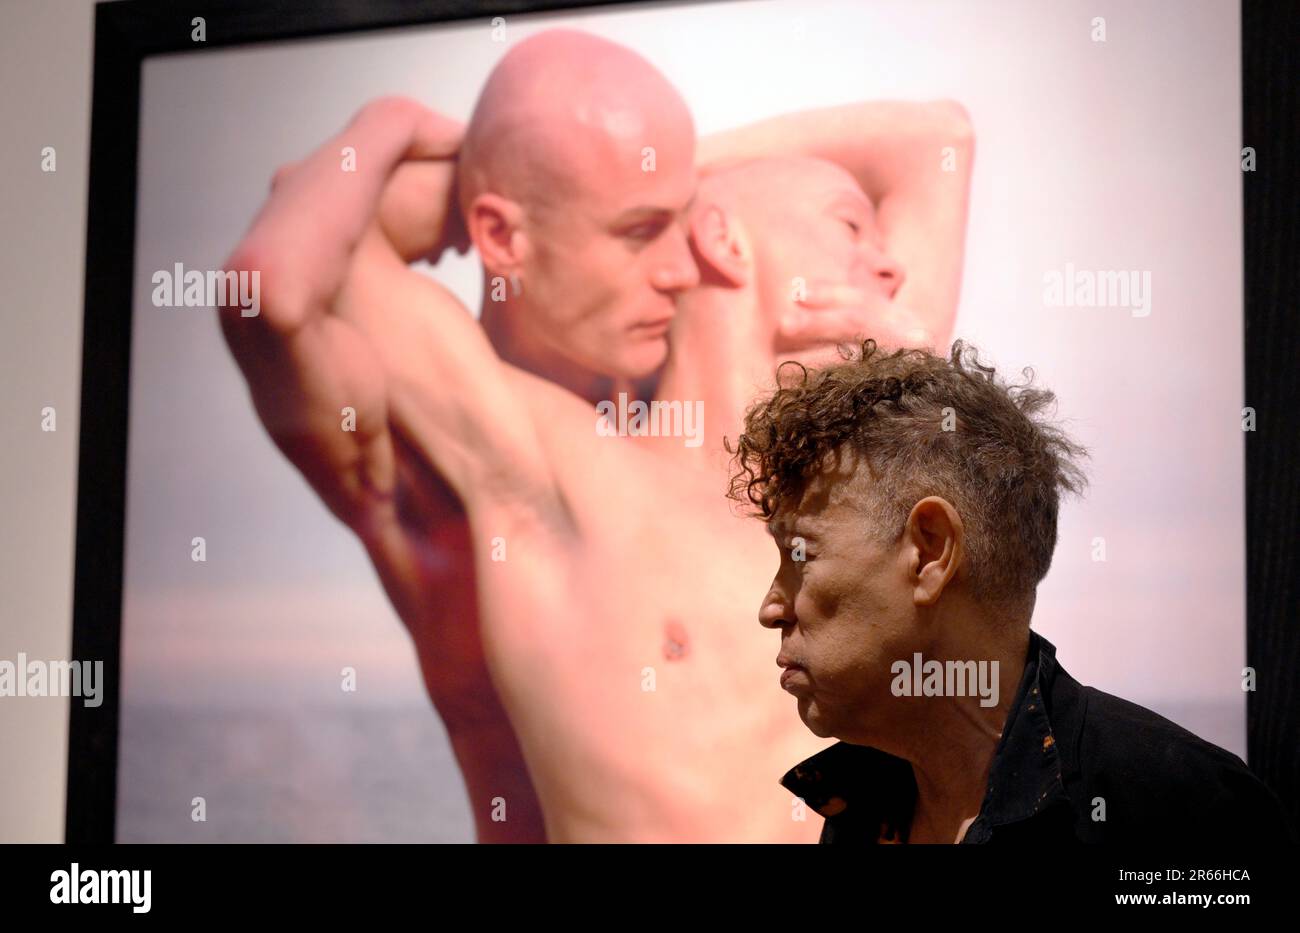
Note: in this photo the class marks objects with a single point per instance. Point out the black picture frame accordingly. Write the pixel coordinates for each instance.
(1270, 87)
(126, 31)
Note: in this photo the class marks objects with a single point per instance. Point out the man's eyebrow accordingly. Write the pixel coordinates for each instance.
(779, 528)
(645, 212)
(650, 211)
(846, 197)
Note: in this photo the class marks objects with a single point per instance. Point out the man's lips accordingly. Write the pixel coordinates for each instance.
(654, 325)
(791, 673)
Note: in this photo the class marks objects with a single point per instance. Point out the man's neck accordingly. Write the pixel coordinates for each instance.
(500, 321)
(951, 740)
(719, 356)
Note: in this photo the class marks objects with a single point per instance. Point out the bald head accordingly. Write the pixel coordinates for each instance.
(771, 231)
(574, 176)
(561, 114)
(764, 192)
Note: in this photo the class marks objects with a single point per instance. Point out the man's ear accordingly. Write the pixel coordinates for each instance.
(720, 245)
(494, 225)
(936, 540)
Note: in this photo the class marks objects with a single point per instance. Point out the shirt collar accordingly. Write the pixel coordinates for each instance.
(868, 784)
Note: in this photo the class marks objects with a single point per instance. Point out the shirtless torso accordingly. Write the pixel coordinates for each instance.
(646, 700)
(613, 609)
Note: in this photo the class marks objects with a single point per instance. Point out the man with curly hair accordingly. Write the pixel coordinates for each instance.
(914, 502)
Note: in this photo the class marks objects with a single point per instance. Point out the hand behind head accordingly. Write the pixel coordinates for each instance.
(831, 314)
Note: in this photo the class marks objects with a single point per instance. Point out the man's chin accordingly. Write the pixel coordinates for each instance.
(812, 719)
(643, 358)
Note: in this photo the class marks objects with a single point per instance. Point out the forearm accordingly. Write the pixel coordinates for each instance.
(302, 240)
(885, 145)
(913, 160)
(418, 215)
(308, 367)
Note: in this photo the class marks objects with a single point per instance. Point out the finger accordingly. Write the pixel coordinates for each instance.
(890, 326)
(828, 295)
(832, 325)
(460, 235)
(900, 327)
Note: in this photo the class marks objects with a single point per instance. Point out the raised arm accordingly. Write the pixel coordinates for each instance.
(912, 159)
(352, 344)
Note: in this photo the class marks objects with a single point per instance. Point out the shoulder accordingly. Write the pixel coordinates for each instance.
(565, 423)
(1127, 736)
(1155, 775)
(584, 445)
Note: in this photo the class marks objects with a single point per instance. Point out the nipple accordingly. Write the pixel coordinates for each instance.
(676, 643)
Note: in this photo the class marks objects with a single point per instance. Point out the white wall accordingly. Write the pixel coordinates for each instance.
(45, 62)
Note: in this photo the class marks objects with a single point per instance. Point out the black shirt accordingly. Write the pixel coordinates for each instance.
(1069, 756)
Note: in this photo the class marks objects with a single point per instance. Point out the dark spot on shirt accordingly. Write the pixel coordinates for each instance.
(833, 807)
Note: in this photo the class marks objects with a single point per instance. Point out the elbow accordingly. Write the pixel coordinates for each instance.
(956, 122)
(268, 297)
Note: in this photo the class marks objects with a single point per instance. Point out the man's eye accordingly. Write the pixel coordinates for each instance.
(853, 226)
(644, 231)
(798, 553)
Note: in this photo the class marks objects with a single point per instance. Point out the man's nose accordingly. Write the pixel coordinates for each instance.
(675, 269)
(775, 611)
(888, 271)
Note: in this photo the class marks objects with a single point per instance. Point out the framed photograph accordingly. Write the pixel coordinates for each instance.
(377, 290)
